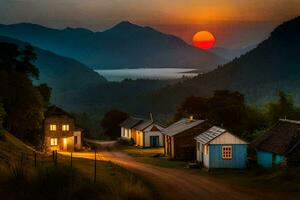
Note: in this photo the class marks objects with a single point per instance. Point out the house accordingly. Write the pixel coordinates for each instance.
(277, 143)
(60, 132)
(143, 132)
(218, 148)
(179, 138)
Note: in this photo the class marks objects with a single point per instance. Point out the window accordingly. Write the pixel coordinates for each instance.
(53, 141)
(227, 152)
(205, 149)
(52, 127)
(65, 127)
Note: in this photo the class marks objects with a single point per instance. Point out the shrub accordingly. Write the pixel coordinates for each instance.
(2, 135)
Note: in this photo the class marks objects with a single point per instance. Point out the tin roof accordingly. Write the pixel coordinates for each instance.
(130, 122)
(143, 124)
(210, 134)
(282, 138)
(181, 126)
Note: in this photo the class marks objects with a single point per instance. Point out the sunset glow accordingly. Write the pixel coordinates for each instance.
(204, 40)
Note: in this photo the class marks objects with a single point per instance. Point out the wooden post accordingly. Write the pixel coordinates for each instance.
(95, 166)
(34, 159)
(71, 159)
(53, 157)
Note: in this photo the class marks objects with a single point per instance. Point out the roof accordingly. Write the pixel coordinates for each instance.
(181, 126)
(56, 111)
(143, 124)
(282, 138)
(210, 134)
(130, 122)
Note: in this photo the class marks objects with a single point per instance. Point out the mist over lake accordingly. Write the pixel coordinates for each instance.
(146, 73)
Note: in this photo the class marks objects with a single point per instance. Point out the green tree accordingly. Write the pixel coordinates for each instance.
(111, 123)
(2, 115)
(23, 102)
(283, 108)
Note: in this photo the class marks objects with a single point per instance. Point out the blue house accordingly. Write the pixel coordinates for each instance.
(277, 143)
(218, 148)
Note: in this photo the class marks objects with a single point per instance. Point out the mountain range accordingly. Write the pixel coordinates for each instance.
(272, 66)
(125, 45)
(59, 72)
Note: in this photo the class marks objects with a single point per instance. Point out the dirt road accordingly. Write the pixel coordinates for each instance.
(180, 184)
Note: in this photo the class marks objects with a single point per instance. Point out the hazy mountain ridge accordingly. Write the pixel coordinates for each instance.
(59, 72)
(125, 45)
(259, 74)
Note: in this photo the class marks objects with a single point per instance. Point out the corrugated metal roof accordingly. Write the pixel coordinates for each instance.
(281, 138)
(143, 124)
(210, 134)
(130, 122)
(181, 126)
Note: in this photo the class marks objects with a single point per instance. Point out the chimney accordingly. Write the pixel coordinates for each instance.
(191, 118)
(151, 117)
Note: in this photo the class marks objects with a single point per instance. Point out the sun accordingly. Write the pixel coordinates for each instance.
(204, 40)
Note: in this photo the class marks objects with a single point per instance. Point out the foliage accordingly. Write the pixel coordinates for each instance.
(111, 122)
(2, 135)
(283, 108)
(226, 109)
(23, 102)
(2, 115)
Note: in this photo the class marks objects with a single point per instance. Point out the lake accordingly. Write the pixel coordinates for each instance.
(146, 73)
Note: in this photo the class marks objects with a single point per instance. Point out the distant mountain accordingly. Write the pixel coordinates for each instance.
(59, 72)
(259, 74)
(230, 54)
(126, 45)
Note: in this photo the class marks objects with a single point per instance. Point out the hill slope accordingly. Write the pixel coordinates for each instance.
(59, 72)
(125, 45)
(259, 74)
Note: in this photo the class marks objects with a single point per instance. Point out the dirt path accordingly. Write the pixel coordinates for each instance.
(180, 184)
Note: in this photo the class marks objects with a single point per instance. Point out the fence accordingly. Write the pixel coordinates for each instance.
(38, 160)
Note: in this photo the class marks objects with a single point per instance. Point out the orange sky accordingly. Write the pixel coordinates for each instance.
(102, 14)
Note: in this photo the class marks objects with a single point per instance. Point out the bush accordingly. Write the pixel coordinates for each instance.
(126, 142)
(2, 135)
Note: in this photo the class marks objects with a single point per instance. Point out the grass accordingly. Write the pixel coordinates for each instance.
(152, 156)
(19, 179)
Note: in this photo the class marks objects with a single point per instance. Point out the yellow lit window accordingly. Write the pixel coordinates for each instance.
(205, 149)
(52, 127)
(65, 127)
(53, 141)
(227, 152)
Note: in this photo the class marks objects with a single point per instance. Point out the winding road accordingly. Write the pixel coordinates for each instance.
(182, 184)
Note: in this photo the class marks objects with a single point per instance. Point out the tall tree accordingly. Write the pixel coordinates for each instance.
(23, 102)
(111, 122)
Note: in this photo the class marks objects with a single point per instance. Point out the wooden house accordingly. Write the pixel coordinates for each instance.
(179, 138)
(218, 148)
(143, 132)
(277, 143)
(60, 132)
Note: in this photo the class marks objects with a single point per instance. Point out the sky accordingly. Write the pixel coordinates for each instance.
(179, 17)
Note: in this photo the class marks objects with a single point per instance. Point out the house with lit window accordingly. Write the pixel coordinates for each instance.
(278, 143)
(179, 137)
(60, 132)
(218, 148)
(143, 132)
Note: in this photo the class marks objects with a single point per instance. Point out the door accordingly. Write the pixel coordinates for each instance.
(154, 141)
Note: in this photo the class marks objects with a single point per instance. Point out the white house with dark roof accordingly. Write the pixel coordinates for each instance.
(143, 132)
(218, 148)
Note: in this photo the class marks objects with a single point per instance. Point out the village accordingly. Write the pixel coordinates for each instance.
(188, 139)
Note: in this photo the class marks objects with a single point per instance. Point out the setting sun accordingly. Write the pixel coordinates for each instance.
(204, 40)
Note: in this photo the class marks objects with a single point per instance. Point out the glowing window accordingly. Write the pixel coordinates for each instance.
(52, 127)
(53, 141)
(65, 127)
(227, 152)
